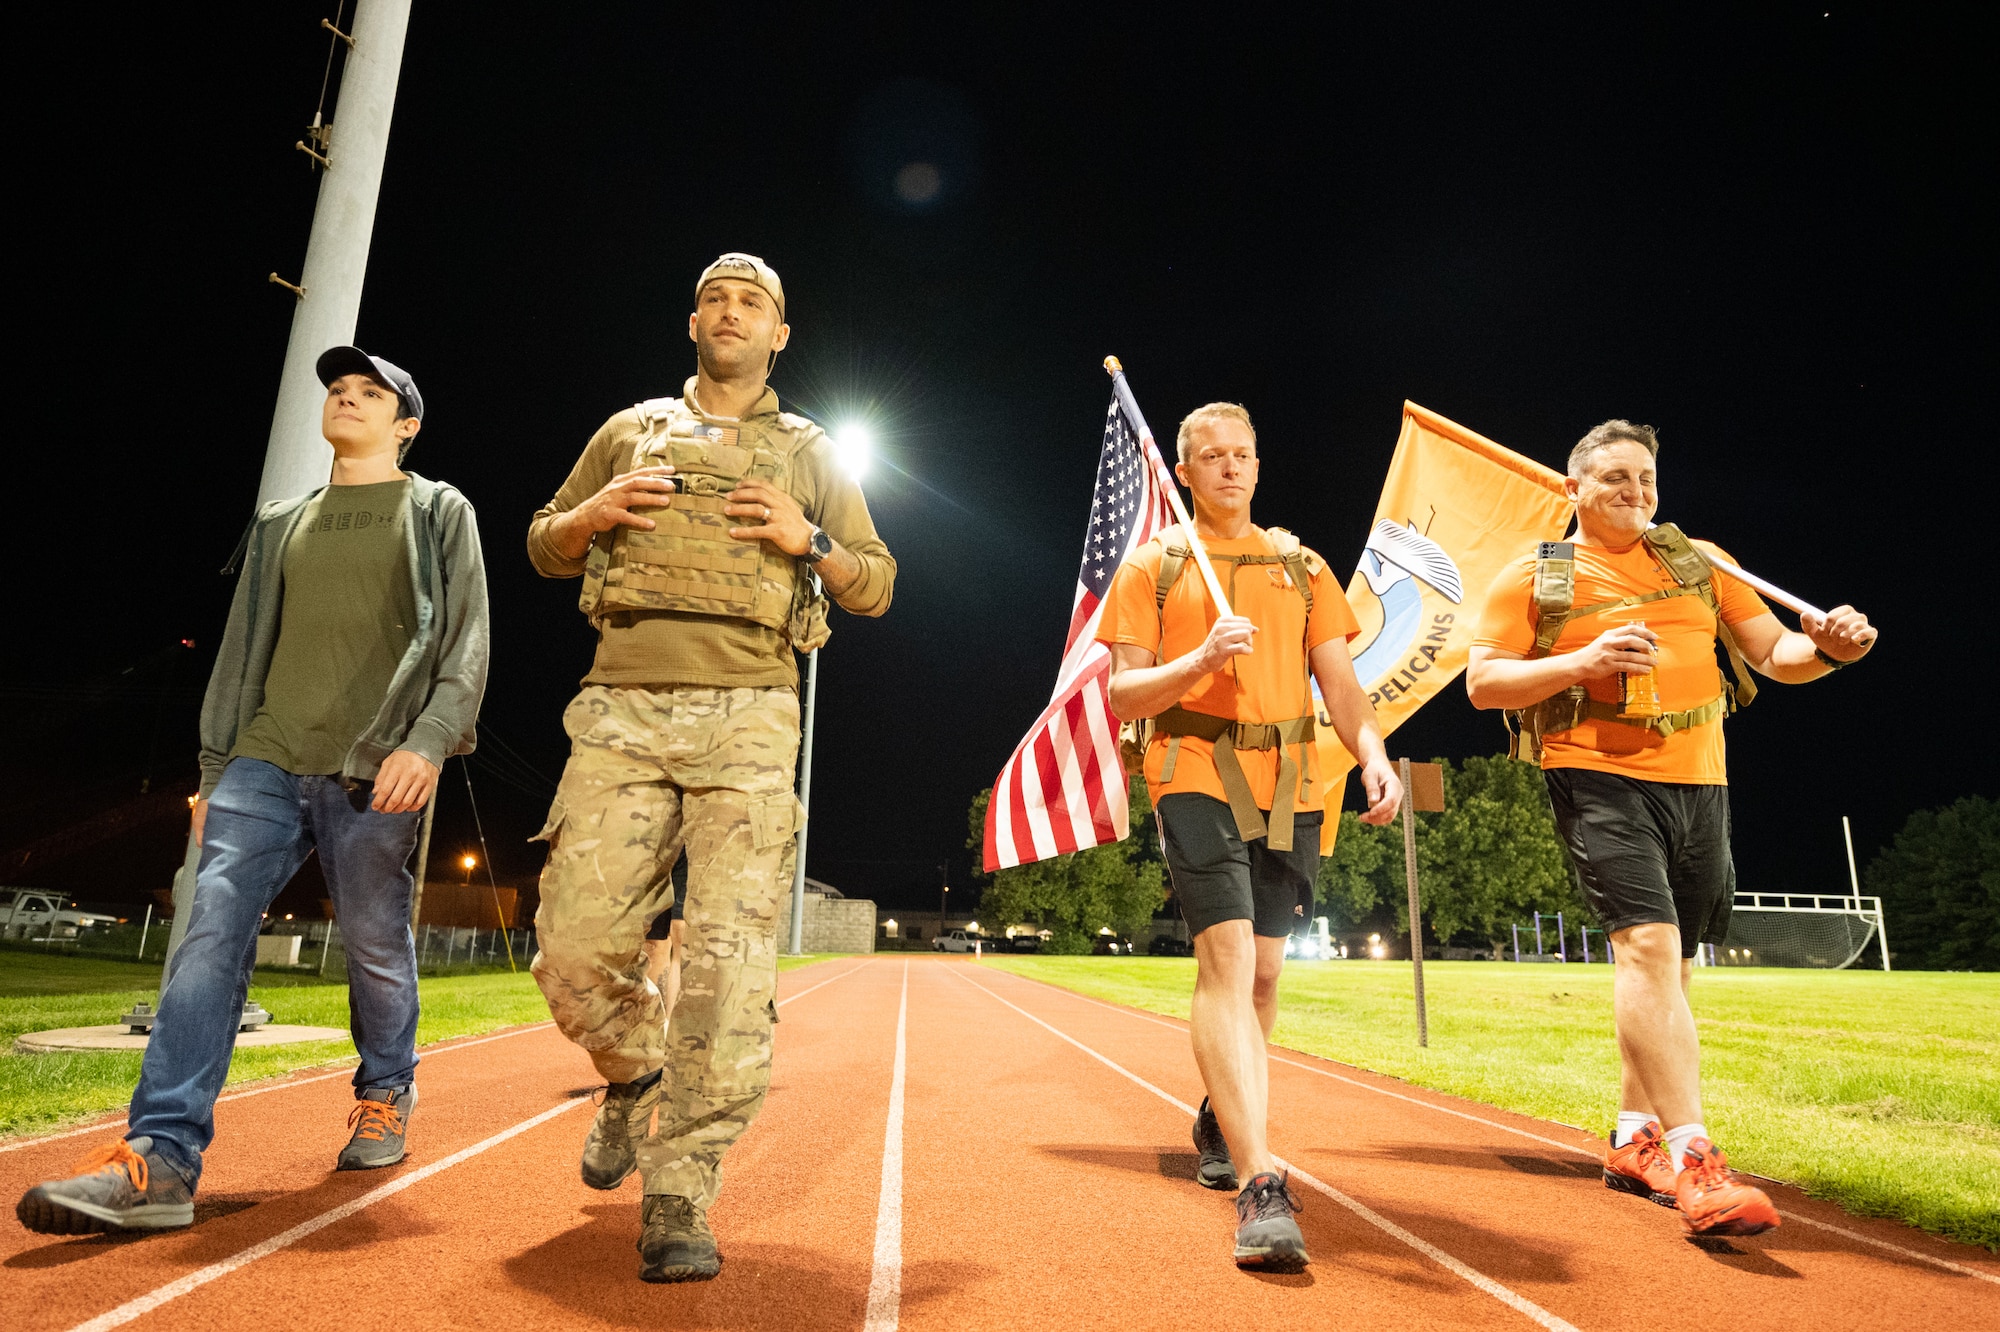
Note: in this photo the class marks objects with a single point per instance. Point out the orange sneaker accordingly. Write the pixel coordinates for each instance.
(1715, 1202)
(1642, 1167)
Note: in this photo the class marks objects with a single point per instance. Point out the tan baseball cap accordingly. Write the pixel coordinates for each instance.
(745, 268)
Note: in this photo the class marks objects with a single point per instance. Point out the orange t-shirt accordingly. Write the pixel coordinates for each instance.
(1270, 684)
(1687, 670)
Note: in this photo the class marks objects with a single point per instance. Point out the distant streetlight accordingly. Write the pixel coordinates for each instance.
(468, 862)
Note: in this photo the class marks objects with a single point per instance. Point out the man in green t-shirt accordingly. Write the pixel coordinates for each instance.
(351, 668)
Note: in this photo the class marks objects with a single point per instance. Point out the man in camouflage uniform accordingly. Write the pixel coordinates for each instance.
(698, 523)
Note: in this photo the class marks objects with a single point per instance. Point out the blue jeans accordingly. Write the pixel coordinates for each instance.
(262, 823)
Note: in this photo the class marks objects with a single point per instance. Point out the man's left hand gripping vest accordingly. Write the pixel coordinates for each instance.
(689, 562)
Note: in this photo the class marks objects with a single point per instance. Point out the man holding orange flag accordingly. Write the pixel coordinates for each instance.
(1604, 649)
(1231, 771)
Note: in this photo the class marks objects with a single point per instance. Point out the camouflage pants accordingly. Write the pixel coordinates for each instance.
(650, 772)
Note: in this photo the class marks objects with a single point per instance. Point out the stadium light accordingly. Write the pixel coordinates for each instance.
(854, 445)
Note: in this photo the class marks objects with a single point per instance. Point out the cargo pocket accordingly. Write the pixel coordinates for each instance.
(775, 820)
(553, 828)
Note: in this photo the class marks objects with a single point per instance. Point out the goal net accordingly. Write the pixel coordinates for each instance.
(1794, 930)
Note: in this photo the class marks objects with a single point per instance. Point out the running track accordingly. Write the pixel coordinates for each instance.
(947, 1146)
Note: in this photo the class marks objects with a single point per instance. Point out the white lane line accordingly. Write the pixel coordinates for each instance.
(282, 1084)
(193, 1281)
(1476, 1278)
(821, 986)
(1595, 1153)
(885, 1283)
(1892, 1248)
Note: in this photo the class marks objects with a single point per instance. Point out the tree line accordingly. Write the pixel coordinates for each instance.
(1491, 860)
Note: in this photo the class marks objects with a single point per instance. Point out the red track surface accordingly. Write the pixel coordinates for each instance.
(1045, 1180)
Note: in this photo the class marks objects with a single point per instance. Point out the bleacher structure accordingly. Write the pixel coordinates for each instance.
(1801, 930)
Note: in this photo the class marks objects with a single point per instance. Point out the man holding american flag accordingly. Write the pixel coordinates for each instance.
(1230, 768)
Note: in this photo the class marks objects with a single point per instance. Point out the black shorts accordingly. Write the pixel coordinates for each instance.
(1648, 852)
(1218, 876)
(664, 922)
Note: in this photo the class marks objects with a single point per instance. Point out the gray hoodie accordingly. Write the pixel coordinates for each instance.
(433, 698)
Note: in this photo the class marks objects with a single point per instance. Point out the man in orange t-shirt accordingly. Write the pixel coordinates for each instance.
(1230, 771)
(1643, 805)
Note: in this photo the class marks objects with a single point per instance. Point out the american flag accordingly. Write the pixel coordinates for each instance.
(1064, 789)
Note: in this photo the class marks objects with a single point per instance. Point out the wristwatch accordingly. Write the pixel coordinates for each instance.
(1833, 662)
(819, 547)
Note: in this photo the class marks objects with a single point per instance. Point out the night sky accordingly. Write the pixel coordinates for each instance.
(1764, 235)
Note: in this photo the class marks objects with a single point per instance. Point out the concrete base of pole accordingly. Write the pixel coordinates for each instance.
(119, 1037)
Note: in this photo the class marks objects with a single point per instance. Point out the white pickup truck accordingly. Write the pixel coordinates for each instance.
(28, 913)
(958, 941)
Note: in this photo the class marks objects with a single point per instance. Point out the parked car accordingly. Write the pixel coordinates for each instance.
(958, 941)
(1166, 945)
(28, 914)
(1111, 945)
(1022, 943)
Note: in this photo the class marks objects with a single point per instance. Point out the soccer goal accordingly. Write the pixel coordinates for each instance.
(1801, 930)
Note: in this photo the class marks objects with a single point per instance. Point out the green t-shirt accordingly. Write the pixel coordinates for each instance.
(349, 612)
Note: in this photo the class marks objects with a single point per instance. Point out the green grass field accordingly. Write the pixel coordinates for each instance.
(1880, 1092)
(39, 1092)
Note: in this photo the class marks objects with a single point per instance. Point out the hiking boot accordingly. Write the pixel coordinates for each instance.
(675, 1243)
(1715, 1202)
(125, 1186)
(1642, 1167)
(1267, 1238)
(611, 1152)
(1215, 1170)
(381, 1124)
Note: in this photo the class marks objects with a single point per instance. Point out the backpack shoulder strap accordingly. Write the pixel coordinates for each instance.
(1299, 562)
(1692, 570)
(1554, 593)
(1174, 555)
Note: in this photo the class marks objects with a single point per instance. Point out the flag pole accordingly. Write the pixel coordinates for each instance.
(1769, 589)
(1151, 451)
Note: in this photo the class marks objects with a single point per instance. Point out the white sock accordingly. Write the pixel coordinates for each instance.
(1679, 1138)
(1629, 1124)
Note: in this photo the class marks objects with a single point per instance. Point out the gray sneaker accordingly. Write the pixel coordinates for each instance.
(125, 1186)
(611, 1152)
(675, 1243)
(1266, 1236)
(1215, 1170)
(381, 1124)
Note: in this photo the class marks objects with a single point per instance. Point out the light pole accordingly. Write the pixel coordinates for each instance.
(944, 896)
(853, 445)
(805, 800)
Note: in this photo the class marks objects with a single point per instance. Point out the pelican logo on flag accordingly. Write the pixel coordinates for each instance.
(1455, 510)
(1398, 564)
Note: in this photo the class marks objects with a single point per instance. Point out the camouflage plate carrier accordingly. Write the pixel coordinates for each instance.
(1293, 736)
(689, 562)
(1554, 609)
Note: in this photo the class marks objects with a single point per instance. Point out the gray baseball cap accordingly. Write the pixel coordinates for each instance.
(337, 361)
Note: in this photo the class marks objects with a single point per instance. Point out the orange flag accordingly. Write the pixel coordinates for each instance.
(1456, 508)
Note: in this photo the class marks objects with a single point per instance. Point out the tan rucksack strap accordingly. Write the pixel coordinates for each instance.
(1691, 569)
(1555, 589)
(1573, 707)
(1293, 738)
(1173, 558)
(1176, 553)
(1554, 594)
